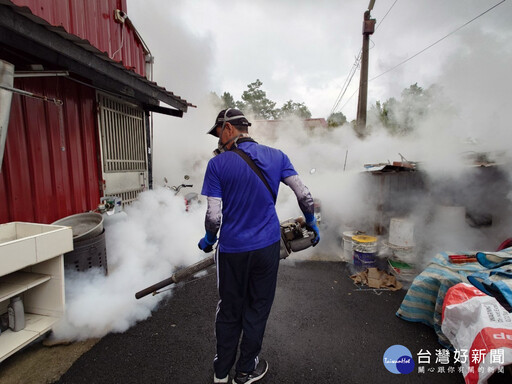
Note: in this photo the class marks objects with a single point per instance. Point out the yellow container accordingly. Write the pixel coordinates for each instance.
(364, 239)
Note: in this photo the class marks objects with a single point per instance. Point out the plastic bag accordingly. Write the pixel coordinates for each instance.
(477, 324)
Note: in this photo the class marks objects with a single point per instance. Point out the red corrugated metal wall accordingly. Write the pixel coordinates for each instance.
(93, 20)
(50, 167)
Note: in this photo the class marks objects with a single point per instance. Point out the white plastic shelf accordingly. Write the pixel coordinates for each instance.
(18, 282)
(32, 266)
(35, 326)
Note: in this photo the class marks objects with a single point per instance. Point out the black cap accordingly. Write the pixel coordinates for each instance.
(233, 116)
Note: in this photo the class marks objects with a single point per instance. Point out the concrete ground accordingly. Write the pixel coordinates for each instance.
(322, 329)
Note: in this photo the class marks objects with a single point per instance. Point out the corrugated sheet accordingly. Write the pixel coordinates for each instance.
(50, 167)
(70, 12)
(93, 20)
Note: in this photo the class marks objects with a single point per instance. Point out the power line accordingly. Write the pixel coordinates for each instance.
(389, 10)
(430, 46)
(438, 41)
(347, 82)
(350, 98)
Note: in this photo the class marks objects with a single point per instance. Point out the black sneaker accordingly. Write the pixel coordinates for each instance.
(256, 375)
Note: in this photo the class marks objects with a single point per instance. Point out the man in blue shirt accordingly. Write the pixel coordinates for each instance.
(248, 249)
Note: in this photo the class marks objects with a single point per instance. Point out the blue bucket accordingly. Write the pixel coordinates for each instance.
(364, 260)
(365, 250)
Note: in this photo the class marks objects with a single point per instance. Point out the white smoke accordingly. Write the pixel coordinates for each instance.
(145, 244)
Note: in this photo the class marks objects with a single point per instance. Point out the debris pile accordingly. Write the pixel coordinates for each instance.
(376, 278)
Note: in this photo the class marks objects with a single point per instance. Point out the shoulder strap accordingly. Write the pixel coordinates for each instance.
(255, 168)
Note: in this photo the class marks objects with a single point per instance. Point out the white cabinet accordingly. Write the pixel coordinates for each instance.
(32, 266)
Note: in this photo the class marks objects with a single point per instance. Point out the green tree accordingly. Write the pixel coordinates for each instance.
(291, 108)
(400, 117)
(215, 100)
(414, 105)
(255, 100)
(385, 113)
(222, 102)
(413, 91)
(228, 101)
(336, 119)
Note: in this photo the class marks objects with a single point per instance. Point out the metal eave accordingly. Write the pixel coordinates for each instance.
(56, 46)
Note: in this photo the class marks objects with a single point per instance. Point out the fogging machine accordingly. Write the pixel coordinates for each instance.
(295, 237)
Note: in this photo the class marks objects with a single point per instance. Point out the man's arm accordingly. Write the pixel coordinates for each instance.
(211, 223)
(306, 203)
(213, 215)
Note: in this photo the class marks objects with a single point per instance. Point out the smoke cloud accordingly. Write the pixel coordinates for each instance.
(145, 244)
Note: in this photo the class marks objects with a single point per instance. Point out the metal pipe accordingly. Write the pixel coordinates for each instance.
(23, 74)
(30, 94)
(177, 277)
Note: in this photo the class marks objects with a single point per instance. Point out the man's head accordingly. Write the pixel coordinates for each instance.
(229, 125)
(231, 116)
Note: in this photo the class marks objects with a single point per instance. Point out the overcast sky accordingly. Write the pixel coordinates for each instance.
(304, 50)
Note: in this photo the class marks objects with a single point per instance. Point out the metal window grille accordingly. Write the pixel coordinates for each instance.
(129, 197)
(123, 136)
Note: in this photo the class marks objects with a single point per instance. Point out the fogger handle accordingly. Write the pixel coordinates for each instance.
(176, 277)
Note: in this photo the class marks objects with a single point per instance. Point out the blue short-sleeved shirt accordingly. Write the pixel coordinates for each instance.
(249, 218)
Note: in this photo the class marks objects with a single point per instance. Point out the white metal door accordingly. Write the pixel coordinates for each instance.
(124, 148)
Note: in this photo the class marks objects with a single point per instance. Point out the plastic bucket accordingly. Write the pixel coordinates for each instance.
(407, 255)
(401, 232)
(365, 250)
(402, 271)
(348, 245)
(404, 254)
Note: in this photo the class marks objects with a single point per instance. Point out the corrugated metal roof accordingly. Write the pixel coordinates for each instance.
(67, 15)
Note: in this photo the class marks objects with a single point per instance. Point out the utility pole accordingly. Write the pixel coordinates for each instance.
(368, 29)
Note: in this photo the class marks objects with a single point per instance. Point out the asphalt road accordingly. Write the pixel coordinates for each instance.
(322, 329)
